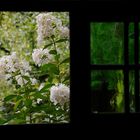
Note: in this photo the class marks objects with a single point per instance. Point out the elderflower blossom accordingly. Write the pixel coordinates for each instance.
(41, 56)
(33, 81)
(20, 80)
(39, 101)
(25, 66)
(64, 32)
(59, 94)
(48, 25)
(9, 63)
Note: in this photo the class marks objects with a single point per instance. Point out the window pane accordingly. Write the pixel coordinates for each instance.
(107, 91)
(132, 91)
(131, 43)
(107, 43)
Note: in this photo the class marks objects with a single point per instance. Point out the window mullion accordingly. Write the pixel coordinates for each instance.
(136, 49)
(126, 71)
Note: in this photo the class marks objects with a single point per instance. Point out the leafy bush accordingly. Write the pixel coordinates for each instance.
(34, 67)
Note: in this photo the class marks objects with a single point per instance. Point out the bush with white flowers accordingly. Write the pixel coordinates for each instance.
(60, 94)
(34, 67)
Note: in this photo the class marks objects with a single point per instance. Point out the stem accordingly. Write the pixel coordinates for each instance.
(59, 77)
(54, 44)
(30, 115)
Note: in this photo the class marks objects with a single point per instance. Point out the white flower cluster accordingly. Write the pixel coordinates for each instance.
(10, 64)
(41, 56)
(59, 94)
(39, 101)
(20, 80)
(64, 32)
(48, 25)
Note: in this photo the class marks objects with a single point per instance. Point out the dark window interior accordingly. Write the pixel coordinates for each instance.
(114, 84)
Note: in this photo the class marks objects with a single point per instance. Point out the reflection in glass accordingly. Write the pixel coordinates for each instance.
(107, 43)
(107, 91)
(132, 91)
(131, 43)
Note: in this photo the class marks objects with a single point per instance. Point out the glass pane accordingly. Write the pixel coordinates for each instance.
(131, 43)
(107, 43)
(107, 91)
(132, 90)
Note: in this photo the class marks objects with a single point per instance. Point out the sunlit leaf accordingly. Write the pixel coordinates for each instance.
(67, 60)
(53, 52)
(58, 41)
(9, 97)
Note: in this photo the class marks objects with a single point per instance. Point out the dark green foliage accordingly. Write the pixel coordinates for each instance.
(107, 47)
(131, 90)
(131, 43)
(106, 85)
(107, 43)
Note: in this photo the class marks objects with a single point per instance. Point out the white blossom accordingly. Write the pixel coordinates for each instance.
(59, 94)
(41, 56)
(64, 32)
(20, 80)
(39, 101)
(41, 86)
(48, 25)
(33, 81)
(7, 76)
(45, 23)
(11, 63)
(25, 66)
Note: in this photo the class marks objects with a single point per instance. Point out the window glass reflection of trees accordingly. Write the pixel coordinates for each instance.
(107, 47)
(107, 43)
(107, 91)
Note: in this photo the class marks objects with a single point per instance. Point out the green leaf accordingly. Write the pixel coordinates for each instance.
(17, 104)
(47, 108)
(66, 78)
(45, 88)
(50, 79)
(18, 97)
(57, 57)
(51, 68)
(53, 52)
(28, 102)
(9, 97)
(39, 95)
(2, 121)
(26, 78)
(62, 40)
(67, 60)
(38, 108)
(58, 41)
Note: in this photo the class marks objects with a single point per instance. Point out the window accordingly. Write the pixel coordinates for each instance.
(114, 66)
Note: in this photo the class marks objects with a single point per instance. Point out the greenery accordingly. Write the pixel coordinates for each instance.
(106, 42)
(107, 47)
(25, 96)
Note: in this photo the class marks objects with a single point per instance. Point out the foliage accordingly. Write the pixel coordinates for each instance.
(107, 43)
(107, 48)
(26, 96)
